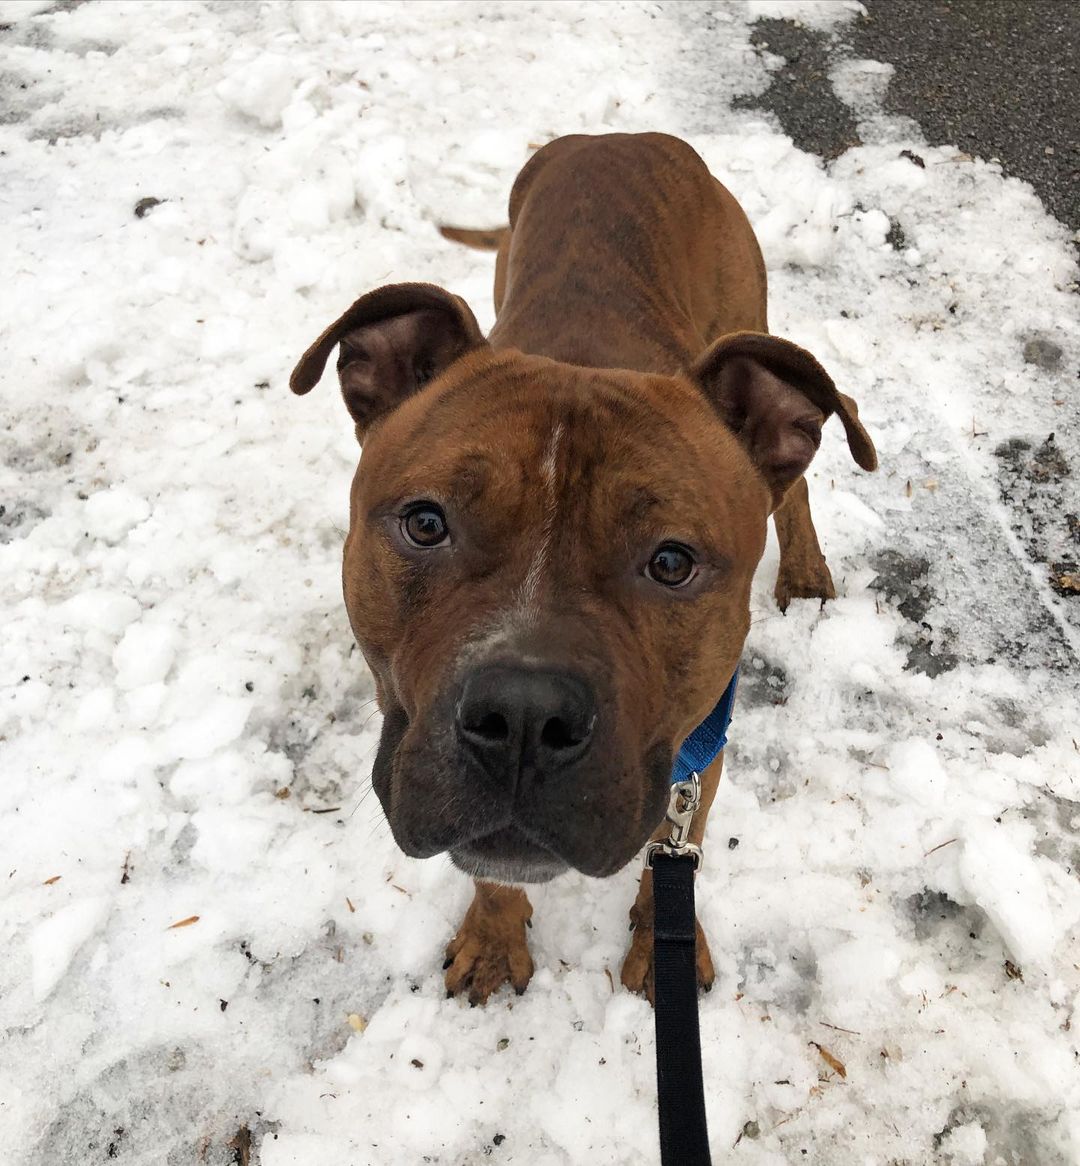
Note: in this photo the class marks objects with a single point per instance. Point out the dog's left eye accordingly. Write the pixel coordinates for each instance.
(425, 526)
(672, 565)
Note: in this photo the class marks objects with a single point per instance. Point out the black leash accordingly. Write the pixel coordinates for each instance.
(684, 1134)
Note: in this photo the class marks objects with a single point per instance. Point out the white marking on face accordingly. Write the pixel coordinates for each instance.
(503, 635)
(508, 626)
(549, 472)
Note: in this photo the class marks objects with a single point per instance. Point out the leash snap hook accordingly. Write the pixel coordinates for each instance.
(684, 802)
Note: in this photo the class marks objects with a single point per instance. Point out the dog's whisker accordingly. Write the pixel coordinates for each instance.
(360, 801)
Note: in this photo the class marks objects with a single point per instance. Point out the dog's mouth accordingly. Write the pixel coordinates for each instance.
(507, 856)
(437, 803)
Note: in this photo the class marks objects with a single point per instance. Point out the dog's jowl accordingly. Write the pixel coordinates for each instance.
(554, 528)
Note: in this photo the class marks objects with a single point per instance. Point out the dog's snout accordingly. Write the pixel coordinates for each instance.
(517, 720)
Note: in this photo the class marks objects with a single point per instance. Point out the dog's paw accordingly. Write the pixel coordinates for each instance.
(637, 969)
(490, 948)
(808, 579)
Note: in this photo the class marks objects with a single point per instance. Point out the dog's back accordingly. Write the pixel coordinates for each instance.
(624, 251)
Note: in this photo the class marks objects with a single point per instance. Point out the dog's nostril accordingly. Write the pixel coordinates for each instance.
(557, 734)
(493, 727)
(541, 719)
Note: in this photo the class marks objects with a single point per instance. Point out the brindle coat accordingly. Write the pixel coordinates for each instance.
(628, 397)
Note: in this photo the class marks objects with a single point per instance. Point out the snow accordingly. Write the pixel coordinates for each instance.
(54, 943)
(1001, 876)
(144, 655)
(965, 1145)
(186, 730)
(110, 514)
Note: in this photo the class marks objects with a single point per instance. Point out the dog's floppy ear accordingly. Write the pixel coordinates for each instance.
(393, 341)
(776, 397)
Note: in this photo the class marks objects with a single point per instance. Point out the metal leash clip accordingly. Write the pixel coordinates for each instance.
(685, 799)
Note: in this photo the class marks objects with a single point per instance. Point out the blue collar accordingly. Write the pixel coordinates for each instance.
(707, 741)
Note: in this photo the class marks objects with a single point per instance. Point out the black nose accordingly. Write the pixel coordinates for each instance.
(519, 721)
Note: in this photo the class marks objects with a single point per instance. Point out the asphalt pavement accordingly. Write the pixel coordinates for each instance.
(997, 78)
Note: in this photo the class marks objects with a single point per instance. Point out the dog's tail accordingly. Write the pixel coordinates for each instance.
(479, 240)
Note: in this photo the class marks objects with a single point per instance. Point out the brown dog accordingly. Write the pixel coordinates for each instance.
(554, 530)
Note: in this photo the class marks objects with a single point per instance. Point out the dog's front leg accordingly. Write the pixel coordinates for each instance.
(637, 969)
(490, 948)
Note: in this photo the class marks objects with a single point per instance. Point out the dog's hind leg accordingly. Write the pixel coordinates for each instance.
(803, 572)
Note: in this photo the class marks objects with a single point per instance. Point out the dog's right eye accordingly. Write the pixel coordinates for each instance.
(424, 526)
(672, 565)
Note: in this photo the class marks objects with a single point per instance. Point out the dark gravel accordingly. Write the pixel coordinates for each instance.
(997, 78)
(800, 94)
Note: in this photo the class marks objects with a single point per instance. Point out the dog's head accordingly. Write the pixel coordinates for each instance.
(548, 569)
